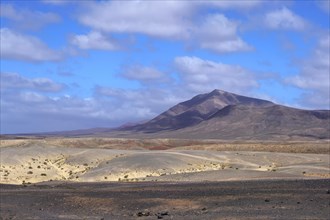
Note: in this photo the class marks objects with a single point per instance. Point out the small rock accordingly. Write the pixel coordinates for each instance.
(204, 209)
(163, 213)
(140, 214)
(267, 200)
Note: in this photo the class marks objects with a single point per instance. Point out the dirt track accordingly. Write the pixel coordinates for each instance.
(271, 199)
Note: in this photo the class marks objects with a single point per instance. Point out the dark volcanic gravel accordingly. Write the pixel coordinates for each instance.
(266, 199)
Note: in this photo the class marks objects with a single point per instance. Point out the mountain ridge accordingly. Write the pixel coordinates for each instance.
(223, 115)
(195, 110)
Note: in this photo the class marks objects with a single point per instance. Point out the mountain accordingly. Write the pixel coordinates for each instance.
(224, 115)
(237, 122)
(196, 110)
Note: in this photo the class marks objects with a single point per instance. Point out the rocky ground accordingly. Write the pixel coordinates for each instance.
(265, 199)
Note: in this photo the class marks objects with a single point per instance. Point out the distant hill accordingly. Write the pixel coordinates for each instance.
(224, 115)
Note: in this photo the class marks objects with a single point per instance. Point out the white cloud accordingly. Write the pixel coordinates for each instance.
(167, 19)
(27, 19)
(284, 19)
(176, 20)
(219, 34)
(33, 111)
(15, 81)
(23, 47)
(144, 74)
(200, 75)
(27, 107)
(314, 76)
(38, 104)
(94, 40)
(137, 104)
(32, 97)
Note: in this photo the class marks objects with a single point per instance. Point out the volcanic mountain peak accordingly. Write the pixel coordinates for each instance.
(197, 109)
(224, 115)
(209, 103)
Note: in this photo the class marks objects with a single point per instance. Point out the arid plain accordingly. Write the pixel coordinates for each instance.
(140, 173)
(107, 159)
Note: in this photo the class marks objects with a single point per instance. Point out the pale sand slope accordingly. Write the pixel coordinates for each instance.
(36, 163)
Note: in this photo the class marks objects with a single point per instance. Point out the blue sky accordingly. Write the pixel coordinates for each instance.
(82, 64)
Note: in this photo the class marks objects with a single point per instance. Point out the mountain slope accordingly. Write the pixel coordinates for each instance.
(196, 110)
(223, 115)
(262, 123)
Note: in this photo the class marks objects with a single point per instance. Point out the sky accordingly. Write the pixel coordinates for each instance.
(69, 65)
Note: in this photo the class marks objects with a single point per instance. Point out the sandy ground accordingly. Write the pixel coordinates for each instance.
(38, 162)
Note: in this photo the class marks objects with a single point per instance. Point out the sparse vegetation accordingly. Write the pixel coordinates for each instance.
(205, 161)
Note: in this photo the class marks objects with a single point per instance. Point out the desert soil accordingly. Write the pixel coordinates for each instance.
(265, 199)
(104, 178)
(39, 163)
